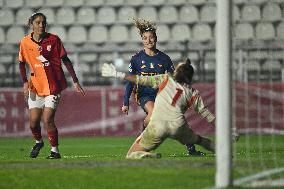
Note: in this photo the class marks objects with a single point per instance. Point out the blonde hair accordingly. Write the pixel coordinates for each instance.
(144, 25)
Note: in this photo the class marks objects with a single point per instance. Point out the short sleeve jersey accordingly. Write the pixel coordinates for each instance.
(44, 60)
(145, 65)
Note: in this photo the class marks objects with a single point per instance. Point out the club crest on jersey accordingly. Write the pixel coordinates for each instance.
(39, 48)
(48, 47)
(151, 65)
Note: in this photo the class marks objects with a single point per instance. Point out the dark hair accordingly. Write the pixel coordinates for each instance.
(184, 72)
(34, 16)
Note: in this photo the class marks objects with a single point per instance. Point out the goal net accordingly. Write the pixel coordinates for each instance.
(258, 105)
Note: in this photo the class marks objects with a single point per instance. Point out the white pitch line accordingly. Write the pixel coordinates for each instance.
(258, 176)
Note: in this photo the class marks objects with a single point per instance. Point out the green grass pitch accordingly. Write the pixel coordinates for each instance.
(98, 162)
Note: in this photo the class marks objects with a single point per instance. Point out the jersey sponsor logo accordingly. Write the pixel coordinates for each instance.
(42, 65)
(48, 47)
(43, 61)
(148, 74)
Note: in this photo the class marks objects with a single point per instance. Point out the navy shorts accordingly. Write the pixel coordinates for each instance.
(144, 99)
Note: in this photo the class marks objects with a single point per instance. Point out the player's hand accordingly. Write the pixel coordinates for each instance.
(109, 70)
(79, 89)
(26, 90)
(125, 109)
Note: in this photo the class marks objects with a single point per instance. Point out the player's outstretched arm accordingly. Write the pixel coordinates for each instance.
(109, 70)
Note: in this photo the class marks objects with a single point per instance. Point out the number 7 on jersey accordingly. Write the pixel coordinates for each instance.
(177, 96)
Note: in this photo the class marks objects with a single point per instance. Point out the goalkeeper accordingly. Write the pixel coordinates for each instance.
(175, 96)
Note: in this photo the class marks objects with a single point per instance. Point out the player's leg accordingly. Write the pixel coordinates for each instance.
(136, 146)
(35, 117)
(187, 137)
(147, 103)
(35, 112)
(148, 107)
(51, 103)
(206, 143)
(137, 151)
(149, 140)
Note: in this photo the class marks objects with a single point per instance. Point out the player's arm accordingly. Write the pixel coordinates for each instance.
(151, 81)
(22, 68)
(68, 64)
(169, 66)
(197, 104)
(129, 86)
(23, 73)
(109, 70)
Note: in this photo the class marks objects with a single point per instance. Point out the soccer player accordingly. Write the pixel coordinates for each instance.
(43, 52)
(148, 62)
(175, 96)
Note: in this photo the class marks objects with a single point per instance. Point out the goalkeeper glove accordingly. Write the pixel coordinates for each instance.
(235, 137)
(109, 70)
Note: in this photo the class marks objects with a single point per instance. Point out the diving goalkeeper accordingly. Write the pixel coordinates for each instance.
(175, 96)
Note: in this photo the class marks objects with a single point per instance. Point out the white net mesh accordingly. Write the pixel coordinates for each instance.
(259, 109)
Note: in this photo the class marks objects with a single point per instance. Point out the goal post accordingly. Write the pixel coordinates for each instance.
(223, 176)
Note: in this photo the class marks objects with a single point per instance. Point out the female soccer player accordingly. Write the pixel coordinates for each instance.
(175, 96)
(43, 52)
(149, 61)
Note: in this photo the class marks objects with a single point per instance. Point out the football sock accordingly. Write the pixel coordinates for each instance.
(54, 149)
(207, 144)
(37, 133)
(53, 137)
(39, 141)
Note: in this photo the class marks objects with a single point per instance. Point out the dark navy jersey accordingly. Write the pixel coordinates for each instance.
(143, 64)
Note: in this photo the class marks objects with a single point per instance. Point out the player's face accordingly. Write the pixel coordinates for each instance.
(149, 40)
(38, 25)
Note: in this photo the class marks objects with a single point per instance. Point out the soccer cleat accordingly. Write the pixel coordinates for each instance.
(193, 152)
(53, 155)
(35, 150)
